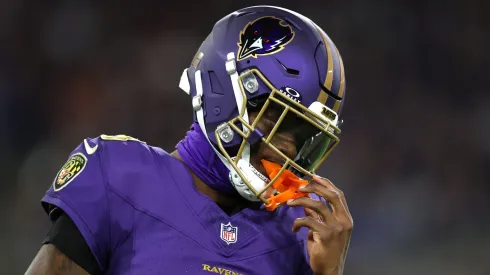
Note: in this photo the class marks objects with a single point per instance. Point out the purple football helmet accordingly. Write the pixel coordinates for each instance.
(282, 58)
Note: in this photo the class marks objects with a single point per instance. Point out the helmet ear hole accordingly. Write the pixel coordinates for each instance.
(255, 104)
(252, 103)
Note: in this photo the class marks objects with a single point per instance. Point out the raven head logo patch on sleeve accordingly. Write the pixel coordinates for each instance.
(264, 36)
(70, 170)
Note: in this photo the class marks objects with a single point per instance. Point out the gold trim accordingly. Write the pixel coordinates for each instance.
(323, 96)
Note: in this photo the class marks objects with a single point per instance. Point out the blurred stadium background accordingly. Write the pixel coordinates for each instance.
(415, 152)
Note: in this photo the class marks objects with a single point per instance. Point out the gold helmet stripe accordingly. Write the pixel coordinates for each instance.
(322, 98)
(342, 82)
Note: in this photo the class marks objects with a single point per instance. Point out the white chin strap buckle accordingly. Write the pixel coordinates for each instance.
(254, 177)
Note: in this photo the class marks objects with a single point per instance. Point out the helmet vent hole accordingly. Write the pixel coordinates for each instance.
(288, 70)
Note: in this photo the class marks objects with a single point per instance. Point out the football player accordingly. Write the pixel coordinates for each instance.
(240, 194)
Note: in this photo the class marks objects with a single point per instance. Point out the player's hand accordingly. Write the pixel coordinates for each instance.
(330, 231)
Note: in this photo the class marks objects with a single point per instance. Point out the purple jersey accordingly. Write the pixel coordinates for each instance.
(139, 212)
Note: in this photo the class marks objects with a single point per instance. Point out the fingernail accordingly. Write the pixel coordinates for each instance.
(302, 187)
(290, 201)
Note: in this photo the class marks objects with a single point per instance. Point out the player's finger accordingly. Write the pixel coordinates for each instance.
(307, 222)
(329, 184)
(316, 205)
(332, 196)
(313, 214)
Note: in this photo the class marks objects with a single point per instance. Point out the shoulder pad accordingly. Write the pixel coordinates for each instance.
(126, 160)
(119, 138)
(120, 150)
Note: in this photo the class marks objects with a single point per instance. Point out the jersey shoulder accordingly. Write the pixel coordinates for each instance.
(109, 166)
(137, 170)
(104, 161)
(103, 182)
(124, 158)
(83, 188)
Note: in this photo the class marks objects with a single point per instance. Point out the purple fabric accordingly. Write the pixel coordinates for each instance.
(197, 153)
(84, 200)
(139, 212)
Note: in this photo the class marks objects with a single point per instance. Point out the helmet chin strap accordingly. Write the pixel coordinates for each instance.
(255, 178)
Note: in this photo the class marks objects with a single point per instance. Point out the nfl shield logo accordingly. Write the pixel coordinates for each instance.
(229, 233)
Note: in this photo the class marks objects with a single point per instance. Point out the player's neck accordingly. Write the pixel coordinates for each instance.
(225, 201)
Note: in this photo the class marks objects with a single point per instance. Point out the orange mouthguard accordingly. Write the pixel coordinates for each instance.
(287, 184)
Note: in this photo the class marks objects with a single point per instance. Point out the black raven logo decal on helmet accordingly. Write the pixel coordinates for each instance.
(264, 36)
